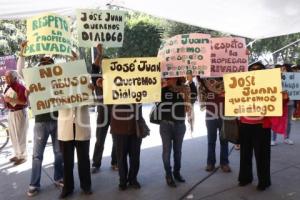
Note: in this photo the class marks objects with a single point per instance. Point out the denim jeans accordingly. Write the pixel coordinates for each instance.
(288, 130)
(172, 135)
(213, 128)
(42, 130)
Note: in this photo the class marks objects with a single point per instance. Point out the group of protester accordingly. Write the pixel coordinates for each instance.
(70, 130)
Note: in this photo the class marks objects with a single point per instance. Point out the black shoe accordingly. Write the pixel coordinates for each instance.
(95, 170)
(262, 187)
(242, 184)
(170, 181)
(65, 193)
(122, 186)
(87, 192)
(178, 177)
(135, 184)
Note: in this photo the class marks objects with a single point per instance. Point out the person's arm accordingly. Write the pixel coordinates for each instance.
(96, 66)
(21, 59)
(99, 56)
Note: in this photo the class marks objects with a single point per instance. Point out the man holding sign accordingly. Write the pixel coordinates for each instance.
(45, 125)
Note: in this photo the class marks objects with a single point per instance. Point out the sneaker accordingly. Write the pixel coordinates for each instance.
(226, 168)
(59, 183)
(210, 168)
(288, 141)
(95, 170)
(273, 143)
(32, 191)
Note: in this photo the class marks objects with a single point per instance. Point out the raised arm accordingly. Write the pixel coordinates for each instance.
(21, 59)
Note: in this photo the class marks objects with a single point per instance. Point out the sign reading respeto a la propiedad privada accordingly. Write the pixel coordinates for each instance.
(7, 63)
(228, 54)
(48, 33)
(131, 80)
(291, 84)
(187, 53)
(250, 94)
(53, 87)
(100, 26)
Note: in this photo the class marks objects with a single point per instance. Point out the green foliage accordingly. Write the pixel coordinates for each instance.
(12, 32)
(142, 36)
(271, 45)
(173, 28)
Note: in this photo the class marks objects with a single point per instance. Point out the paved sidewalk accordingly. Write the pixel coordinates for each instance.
(285, 168)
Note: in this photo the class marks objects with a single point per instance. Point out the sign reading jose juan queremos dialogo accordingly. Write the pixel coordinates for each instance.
(291, 84)
(57, 86)
(7, 63)
(228, 55)
(48, 33)
(251, 94)
(187, 53)
(131, 80)
(100, 26)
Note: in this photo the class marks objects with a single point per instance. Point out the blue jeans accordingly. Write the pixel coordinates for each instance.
(172, 135)
(42, 130)
(288, 129)
(213, 128)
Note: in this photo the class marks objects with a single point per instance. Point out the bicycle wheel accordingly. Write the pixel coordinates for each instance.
(4, 135)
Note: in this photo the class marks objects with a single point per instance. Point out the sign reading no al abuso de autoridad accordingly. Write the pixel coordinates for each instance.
(53, 87)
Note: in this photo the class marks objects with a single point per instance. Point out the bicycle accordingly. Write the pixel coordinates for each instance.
(4, 134)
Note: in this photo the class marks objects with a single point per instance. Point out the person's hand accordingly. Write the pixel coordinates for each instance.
(99, 50)
(222, 94)
(91, 86)
(74, 56)
(99, 82)
(285, 95)
(23, 46)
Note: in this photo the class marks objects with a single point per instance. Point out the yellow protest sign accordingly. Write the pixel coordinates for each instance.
(53, 87)
(255, 93)
(48, 33)
(131, 80)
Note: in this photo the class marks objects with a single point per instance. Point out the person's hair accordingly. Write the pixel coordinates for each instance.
(259, 64)
(277, 66)
(14, 74)
(288, 67)
(46, 60)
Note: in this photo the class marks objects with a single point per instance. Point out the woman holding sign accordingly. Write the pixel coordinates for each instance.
(172, 127)
(255, 134)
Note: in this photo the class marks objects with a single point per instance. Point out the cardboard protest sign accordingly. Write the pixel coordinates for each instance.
(100, 26)
(250, 94)
(291, 84)
(48, 34)
(131, 80)
(57, 86)
(187, 53)
(7, 63)
(228, 54)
